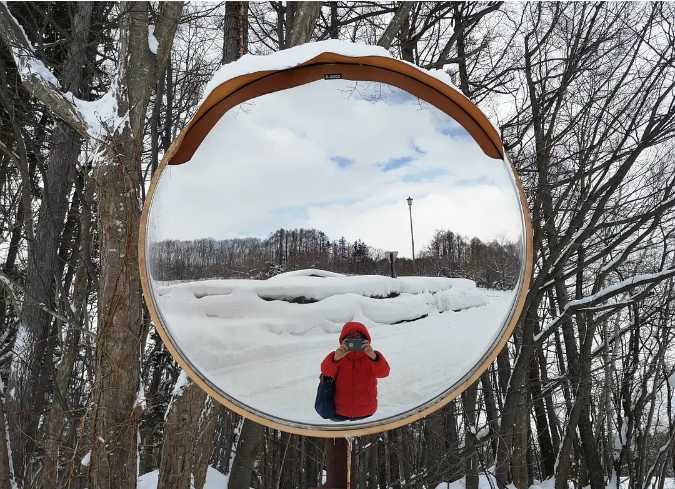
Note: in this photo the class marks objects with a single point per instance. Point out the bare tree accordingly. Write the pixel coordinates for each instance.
(120, 329)
(582, 94)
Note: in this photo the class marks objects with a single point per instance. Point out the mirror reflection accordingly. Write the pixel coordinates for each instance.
(339, 228)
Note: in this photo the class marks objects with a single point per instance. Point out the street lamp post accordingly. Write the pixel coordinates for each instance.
(412, 237)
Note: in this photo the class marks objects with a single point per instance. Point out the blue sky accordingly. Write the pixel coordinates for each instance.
(397, 162)
(342, 157)
(341, 161)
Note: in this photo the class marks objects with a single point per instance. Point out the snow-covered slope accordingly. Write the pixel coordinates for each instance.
(248, 337)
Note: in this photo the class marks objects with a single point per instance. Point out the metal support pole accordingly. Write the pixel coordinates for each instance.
(350, 466)
(339, 464)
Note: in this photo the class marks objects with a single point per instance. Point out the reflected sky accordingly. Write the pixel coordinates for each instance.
(339, 156)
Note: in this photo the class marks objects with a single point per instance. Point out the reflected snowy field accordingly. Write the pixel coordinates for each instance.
(322, 178)
(262, 341)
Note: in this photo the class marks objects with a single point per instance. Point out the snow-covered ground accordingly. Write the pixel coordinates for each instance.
(486, 480)
(264, 351)
(214, 480)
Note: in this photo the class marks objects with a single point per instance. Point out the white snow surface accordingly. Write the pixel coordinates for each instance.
(487, 480)
(289, 58)
(310, 272)
(264, 351)
(27, 63)
(214, 480)
(153, 44)
(101, 114)
(86, 460)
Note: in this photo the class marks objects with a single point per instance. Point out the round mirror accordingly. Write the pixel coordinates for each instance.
(335, 220)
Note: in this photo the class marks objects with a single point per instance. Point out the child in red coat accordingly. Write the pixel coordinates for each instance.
(355, 374)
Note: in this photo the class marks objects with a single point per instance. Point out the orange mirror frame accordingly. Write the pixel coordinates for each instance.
(367, 68)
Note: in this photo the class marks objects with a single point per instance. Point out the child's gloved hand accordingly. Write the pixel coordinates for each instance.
(340, 352)
(368, 350)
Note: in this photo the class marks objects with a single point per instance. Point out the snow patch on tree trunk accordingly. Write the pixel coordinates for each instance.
(153, 44)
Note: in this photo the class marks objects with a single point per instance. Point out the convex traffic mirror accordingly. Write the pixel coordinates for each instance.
(335, 211)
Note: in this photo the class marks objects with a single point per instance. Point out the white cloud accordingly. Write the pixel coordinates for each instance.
(314, 156)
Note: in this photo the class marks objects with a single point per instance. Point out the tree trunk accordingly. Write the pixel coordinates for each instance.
(203, 449)
(470, 442)
(334, 23)
(30, 373)
(577, 418)
(519, 462)
(7, 475)
(180, 434)
(395, 24)
(60, 410)
(517, 385)
(121, 330)
(491, 410)
(305, 15)
(249, 442)
(541, 420)
(503, 370)
(120, 326)
(458, 18)
(235, 30)
(435, 445)
(157, 399)
(382, 471)
(405, 39)
(454, 460)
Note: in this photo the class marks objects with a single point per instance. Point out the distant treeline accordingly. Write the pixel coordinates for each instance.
(492, 265)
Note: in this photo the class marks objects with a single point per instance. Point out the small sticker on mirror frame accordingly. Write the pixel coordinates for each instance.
(332, 76)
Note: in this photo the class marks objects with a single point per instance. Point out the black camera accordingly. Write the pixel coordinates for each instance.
(354, 344)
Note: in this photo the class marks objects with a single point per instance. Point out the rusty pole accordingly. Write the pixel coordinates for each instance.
(339, 464)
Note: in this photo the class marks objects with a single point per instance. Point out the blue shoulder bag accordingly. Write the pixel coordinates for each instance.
(325, 397)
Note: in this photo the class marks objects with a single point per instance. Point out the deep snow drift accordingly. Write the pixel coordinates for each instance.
(265, 351)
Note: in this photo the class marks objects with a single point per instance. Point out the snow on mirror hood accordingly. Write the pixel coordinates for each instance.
(277, 233)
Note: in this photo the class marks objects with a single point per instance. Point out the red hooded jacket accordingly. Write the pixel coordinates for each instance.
(355, 376)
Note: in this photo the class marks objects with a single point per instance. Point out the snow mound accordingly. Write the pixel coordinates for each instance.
(309, 272)
(316, 285)
(318, 288)
(456, 300)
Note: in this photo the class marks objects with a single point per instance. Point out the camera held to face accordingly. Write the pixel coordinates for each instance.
(355, 344)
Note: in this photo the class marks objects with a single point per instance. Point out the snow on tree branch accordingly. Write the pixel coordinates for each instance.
(88, 118)
(35, 76)
(603, 295)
